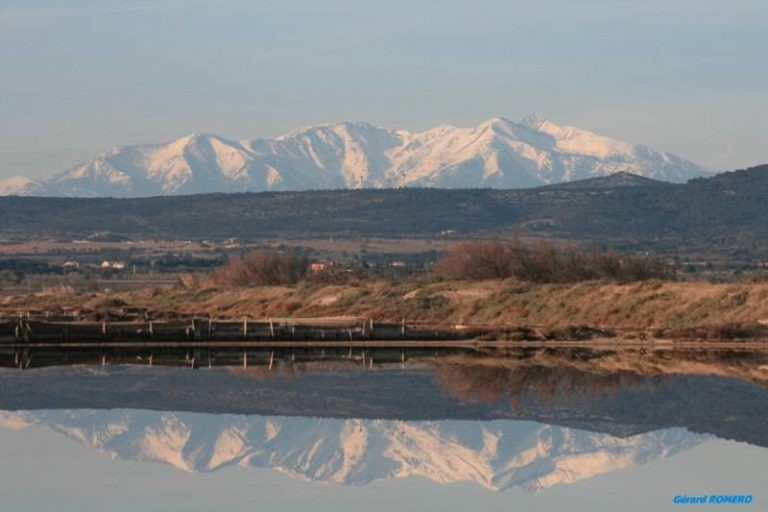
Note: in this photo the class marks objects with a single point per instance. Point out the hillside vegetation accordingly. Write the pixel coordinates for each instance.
(725, 213)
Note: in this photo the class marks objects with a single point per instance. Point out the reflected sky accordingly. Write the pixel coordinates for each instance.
(496, 455)
(77, 478)
(438, 434)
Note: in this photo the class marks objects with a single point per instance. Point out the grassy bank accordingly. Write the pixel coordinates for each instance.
(673, 306)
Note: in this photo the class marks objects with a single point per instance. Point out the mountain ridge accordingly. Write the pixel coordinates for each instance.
(497, 153)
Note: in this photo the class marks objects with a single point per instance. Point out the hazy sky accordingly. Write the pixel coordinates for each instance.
(76, 77)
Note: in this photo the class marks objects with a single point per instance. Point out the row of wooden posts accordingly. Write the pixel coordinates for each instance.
(196, 329)
(22, 357)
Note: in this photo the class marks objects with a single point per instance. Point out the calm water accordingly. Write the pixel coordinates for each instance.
(534, 430)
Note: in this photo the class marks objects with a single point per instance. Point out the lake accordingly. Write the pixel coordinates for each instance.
(525, 429)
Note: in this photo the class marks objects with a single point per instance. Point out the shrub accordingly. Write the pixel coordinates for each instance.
(545, 262)
(262, 268)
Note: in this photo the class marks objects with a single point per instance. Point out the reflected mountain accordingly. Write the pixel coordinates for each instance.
(497, 455)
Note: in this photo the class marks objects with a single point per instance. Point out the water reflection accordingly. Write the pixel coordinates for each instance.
(530, 418)
(497, 454)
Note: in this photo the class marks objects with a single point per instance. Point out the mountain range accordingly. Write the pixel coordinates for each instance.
(497, 455)
(497, 153)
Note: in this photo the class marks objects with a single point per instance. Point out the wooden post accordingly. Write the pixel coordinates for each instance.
(245, 359)
(151, 330)
(151, 356)
(104, 329)
(370, 328)
(245, 327)
(402, 328)
(271, 359)
(271, 329)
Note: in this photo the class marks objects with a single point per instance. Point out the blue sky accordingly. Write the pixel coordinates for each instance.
(76, 77)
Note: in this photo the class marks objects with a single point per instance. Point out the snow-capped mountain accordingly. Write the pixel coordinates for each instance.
(497, 153)
(20, 185)
(494, 454)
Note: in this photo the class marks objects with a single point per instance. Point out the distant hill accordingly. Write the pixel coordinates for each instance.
(727, 211)
(497, 153)
(616, 180)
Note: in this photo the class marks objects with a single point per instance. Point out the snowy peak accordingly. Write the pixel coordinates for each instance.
(18, 186)
(496, 455)
(496, 153)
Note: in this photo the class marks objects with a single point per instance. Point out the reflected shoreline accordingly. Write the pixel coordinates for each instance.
(723, 393)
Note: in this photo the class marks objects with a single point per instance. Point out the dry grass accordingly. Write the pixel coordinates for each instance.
(645, 306)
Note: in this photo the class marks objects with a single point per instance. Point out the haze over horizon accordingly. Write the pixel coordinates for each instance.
(678, 76)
